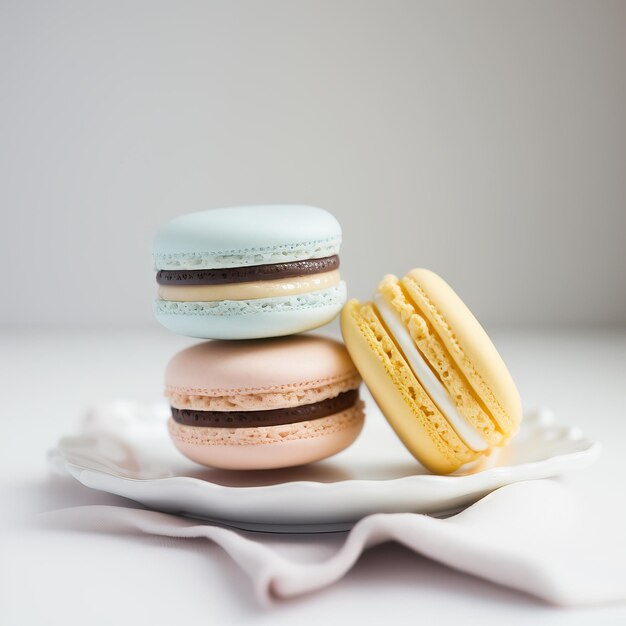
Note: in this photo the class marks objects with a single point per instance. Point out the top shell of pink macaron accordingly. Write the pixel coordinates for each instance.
(223, 368)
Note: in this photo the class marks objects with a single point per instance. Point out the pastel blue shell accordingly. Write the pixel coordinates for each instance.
(248, 235)
(252, 319)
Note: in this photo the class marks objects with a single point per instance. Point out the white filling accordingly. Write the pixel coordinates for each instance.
(433, 387)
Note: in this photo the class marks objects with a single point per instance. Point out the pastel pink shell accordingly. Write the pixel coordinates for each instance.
(224, 368)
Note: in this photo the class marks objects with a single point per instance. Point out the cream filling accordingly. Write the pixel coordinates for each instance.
(249, 291)
(432, 385)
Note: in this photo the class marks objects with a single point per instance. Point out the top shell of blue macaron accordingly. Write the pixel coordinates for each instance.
(246, 235)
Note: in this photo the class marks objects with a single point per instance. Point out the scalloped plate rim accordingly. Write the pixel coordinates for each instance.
(589, 454)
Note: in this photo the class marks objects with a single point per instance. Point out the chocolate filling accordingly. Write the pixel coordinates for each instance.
(271, 417)
(248, 274)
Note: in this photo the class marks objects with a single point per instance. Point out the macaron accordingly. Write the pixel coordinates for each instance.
(433, 371)
(271, 403)
(248, 272)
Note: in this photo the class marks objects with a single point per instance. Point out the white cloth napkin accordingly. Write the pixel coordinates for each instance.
(537, 537)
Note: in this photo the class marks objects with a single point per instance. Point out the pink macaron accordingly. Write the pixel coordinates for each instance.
(263, 404)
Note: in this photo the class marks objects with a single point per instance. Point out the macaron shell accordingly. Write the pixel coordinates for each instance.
(246, 235)
(435, 354)
(408, 408)
(468, 344)
(291, 364)
(270, 447)
(252, 319)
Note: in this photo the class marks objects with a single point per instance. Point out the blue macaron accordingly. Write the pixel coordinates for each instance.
(248, 272)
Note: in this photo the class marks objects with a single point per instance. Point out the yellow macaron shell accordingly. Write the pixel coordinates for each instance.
(408, 408)
(468, 345)
(434, 352)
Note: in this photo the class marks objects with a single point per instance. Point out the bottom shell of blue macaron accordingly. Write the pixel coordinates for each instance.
(252, 319)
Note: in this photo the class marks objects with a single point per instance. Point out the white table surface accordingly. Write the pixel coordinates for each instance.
(54, 577)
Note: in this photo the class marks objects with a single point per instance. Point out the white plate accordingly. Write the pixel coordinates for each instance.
(124, 449)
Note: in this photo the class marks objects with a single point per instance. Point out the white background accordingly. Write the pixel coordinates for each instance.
(484, 140)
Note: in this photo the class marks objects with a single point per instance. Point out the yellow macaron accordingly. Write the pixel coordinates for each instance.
(432, 369)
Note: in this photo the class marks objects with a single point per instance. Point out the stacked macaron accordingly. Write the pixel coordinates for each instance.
(263, 404)
(256, 273)
(249, 272)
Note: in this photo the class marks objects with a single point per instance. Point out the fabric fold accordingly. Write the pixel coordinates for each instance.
(536, 537)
